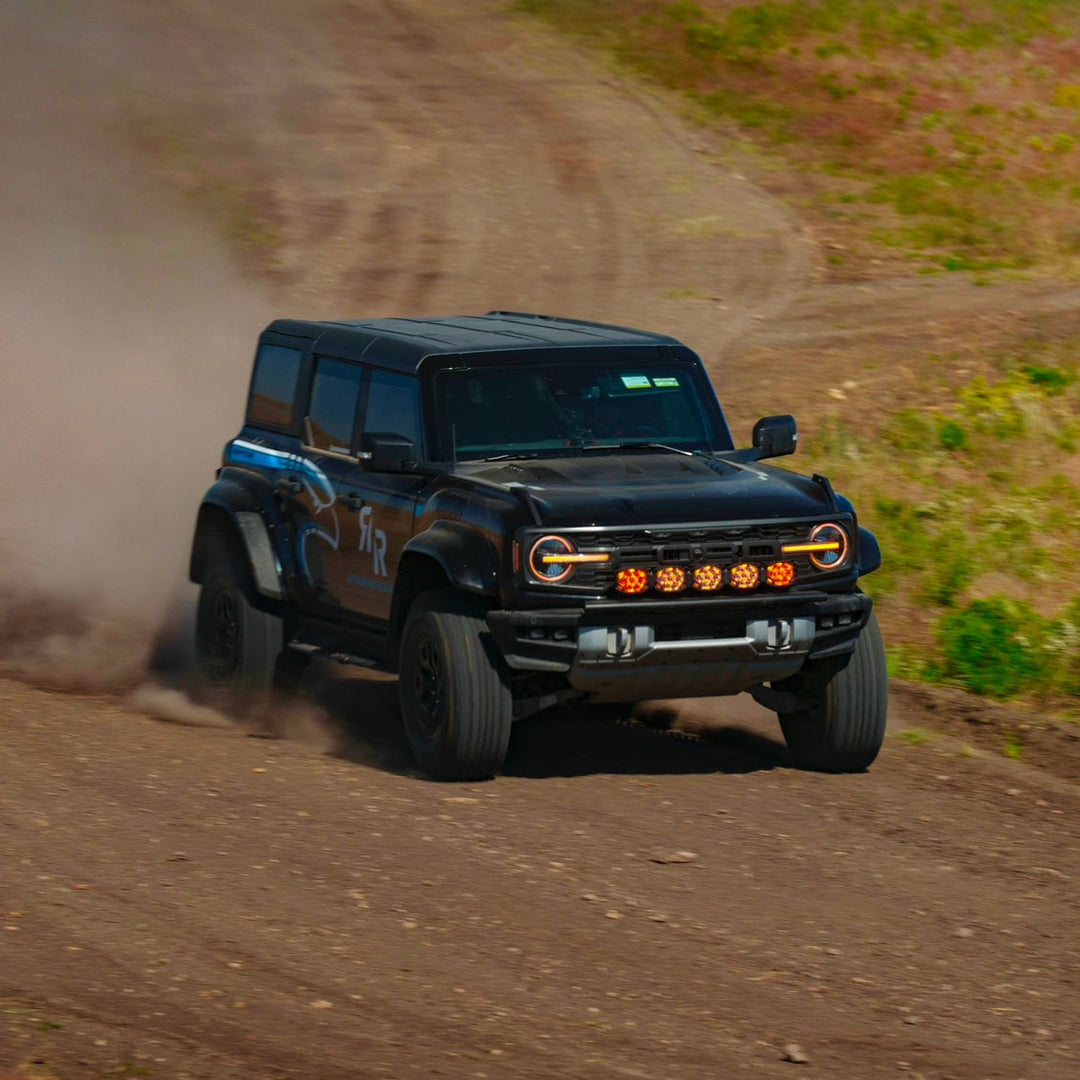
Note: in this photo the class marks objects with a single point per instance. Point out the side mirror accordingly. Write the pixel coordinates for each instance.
(383, 452)
(775, 436)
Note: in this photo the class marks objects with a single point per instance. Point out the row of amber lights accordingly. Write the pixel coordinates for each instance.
(553, 559)
(672, 579)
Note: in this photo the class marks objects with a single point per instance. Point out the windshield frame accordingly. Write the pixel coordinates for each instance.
(678, 358)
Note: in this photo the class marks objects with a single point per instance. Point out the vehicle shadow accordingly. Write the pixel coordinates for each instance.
(365, 723)
(561, 743)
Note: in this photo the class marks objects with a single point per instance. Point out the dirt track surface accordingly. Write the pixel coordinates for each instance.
(207, 904)
(184, 900)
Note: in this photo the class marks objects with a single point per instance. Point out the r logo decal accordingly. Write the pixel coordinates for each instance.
(373, 540)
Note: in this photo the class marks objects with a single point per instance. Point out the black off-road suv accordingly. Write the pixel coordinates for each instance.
(514, 511)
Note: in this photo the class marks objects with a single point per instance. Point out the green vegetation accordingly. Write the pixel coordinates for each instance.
(1014, 748)
(981, 523)
(945, 131)
(914, 736)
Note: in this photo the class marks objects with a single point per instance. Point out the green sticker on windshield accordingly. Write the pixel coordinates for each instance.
(636, 382)
(665, 380)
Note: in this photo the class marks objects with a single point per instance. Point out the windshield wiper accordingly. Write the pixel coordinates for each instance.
(638, 446)
(524, 455)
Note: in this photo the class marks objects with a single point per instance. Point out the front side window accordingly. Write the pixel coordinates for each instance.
(335, 393)
(551, 408)
(393, 405)
(273, 386)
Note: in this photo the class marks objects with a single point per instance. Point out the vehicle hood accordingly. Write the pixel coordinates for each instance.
(653, 486)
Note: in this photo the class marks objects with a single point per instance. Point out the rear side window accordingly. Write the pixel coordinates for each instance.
(335, 392)
(273, 386)
(393, 405)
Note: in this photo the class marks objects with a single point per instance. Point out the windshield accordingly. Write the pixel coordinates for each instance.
(545, 409)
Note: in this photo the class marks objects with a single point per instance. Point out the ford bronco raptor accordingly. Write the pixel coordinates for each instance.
(514, 511)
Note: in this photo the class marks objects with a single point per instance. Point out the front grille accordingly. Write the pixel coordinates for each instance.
(724, 545)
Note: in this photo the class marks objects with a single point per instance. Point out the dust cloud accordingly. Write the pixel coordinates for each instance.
(125, 344)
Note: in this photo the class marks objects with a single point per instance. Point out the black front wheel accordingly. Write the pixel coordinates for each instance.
(454, 688)
(841, 726)
(238, 647)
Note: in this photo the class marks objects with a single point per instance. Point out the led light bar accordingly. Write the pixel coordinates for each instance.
(576, 558)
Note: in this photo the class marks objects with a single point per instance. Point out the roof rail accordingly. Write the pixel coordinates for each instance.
(579, 322)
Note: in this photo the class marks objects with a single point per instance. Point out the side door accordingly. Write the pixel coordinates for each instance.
(272, 444)
(384, 514)
(330, 468)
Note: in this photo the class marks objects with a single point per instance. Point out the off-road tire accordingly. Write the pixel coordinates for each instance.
(842, 728)
(454, 688)
(238, 646)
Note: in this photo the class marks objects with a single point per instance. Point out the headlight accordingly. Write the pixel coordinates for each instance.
(827, 547)
(552, 559)
(548, 559)
(834, 550)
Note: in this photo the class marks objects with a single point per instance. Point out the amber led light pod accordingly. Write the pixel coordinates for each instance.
(631, 581)
(780, 574)
(671, 579)
(745, 576)
(708, 578)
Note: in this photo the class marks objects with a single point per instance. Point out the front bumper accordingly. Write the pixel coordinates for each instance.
(619, 651)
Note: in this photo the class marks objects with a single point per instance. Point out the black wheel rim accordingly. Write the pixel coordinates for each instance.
(428, 687)
(223, 636)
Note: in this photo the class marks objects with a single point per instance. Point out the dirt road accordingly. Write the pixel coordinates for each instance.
(621, 902)
(180, 899)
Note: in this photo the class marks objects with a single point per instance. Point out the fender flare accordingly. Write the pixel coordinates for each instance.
(464, 555)
(238, 502)
(869, 552)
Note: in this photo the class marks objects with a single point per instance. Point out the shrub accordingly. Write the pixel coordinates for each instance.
(1051, 381)
(952, 436)
(995, 646)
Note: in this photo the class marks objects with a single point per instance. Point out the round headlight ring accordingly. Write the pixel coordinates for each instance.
(551, 573)
(829, 532)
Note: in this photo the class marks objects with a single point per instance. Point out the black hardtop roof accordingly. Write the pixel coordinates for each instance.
(404, 343)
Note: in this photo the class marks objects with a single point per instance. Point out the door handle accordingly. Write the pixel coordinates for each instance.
(353, 502)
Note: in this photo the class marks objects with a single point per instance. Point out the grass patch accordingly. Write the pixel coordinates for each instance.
(954, 123)
(1013, 747)
(980, 525)
(914, 736)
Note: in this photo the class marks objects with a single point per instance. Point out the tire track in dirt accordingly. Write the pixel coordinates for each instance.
(445, 157)
(455, 196)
